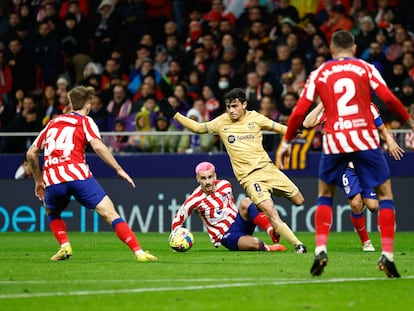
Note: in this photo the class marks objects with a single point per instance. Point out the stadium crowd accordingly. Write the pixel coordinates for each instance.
(135, 52)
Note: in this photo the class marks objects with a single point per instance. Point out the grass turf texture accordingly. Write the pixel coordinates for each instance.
(102, 275)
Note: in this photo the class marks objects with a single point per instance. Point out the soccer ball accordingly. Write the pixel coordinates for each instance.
(181, 239)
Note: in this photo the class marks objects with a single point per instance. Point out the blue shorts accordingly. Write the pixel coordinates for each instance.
(349, 183)
(87, 192)
(239, 228)
(370, 166)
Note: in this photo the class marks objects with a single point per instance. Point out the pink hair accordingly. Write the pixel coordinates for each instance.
(205, 166)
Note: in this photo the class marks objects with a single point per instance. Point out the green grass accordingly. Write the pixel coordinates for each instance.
(102, 275)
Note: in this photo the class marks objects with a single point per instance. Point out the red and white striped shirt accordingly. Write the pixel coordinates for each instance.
(344, 86)
(64, 139)
(217, 210)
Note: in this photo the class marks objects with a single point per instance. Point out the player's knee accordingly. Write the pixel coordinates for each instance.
(244, 204)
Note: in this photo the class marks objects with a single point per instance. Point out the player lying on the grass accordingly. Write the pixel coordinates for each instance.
(358, 197)
(65, 173)
(213, 201)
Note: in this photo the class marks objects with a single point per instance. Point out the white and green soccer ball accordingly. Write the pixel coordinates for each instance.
(181, 239)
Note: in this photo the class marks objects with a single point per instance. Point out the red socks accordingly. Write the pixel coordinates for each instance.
(358, 220)
(386, 225)
(125, 234)
(323, 220)
(262, 221)
(58, 227)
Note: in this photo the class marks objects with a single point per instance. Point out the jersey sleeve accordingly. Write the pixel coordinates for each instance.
(91, 129)
(182, 214)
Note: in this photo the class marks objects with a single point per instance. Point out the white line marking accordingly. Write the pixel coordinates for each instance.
(197, 287)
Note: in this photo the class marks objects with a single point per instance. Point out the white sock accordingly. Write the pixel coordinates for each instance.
(319, 249)
(390, 256)
(138, 252)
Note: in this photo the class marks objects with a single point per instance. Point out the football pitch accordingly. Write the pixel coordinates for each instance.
(103, 275)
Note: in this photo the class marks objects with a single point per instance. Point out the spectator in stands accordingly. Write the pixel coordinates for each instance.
(6, 79)
(294, 79)
(396, 78)
(284, 10)
(282, 63)
(338, 19)
(366, 34)
(22, 66)
(137, 141)
(48, 55)
(48, 105)
(62, 85)
(100, 115)
(119, 107)
(14, 21)
(212, 104)
(181, 93)
(289, 101)
(253, 90)
(395, 49)
(150, 106)
(119, 142)
(407, 59)
(75, 47)
(112, 68)
(27, 120)
(172, 78)
(158, 12)
(162, 143)
(377, 57)
(105, 27)
(406, 94)
(195, 143)
(161, 59)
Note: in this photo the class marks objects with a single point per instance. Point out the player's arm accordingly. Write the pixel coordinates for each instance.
(105, 154)
(394, 149)
(188, 123)
(32, 156)
(312, 118)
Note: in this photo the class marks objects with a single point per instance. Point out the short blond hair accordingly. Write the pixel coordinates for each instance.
(80, 95)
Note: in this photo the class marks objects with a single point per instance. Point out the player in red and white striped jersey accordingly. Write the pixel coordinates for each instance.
(357, 196)
(214, 202)
(65, 173)
(344, 85)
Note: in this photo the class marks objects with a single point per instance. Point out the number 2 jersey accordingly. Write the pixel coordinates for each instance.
(64, 140)
(344, 86)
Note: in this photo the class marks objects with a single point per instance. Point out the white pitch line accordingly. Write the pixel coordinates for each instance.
(197, 287)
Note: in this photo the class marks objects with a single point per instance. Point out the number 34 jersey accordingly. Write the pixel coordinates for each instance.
(344, 86)
(64, 140)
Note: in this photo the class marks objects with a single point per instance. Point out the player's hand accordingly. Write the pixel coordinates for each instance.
(395, 151)
(283, 155)
(165, 107)
(121, 173)
(40, 190)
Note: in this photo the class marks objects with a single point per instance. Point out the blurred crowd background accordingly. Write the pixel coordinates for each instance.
(135, 52)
